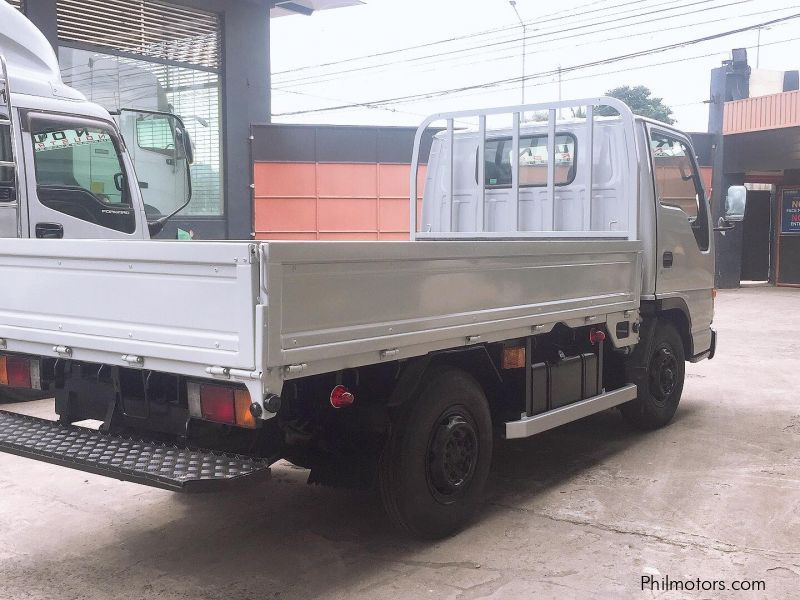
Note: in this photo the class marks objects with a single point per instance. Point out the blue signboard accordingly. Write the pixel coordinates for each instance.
(790, 211)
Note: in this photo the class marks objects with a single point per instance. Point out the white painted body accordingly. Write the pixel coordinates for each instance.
(263, 313)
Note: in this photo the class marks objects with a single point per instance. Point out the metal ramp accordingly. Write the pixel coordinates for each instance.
(140, 461)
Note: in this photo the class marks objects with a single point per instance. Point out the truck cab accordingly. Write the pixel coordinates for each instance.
(667, 208)
(65, 168)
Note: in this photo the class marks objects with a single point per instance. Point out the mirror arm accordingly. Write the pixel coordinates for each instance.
(157, 226)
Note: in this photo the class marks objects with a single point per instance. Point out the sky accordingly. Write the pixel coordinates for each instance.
(383, 50)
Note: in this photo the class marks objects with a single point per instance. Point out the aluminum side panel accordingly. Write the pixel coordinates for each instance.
(348, 301)
(179, 305)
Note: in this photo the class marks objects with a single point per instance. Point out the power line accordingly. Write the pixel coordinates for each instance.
(456, 38)
(631, 55)
(647, 66)
(592, 23)
(327, 77)
(604, 40)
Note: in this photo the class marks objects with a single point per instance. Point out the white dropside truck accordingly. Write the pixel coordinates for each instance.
(556, 269)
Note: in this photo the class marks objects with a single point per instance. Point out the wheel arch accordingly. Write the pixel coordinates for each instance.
(676, 312)
(476, 361)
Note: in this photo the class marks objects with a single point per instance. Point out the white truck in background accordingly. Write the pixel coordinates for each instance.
(533, 292)
(80, 180)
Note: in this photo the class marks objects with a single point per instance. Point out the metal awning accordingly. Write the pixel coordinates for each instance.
(283, 8)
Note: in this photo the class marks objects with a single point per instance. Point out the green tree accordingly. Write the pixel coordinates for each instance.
(641, 102)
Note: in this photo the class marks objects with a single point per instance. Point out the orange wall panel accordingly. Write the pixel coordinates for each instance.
(394, 215)
(347, 180)
(286, 236)
(285, 214)
(348, 214)
(393, 181)
(284, 179)
(332, 201)
(348, 235)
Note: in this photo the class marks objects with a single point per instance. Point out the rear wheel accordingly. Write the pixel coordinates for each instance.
(434, 467)
(659, 372)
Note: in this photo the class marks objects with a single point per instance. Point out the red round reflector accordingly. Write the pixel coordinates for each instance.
(341, 397)
(597, 335)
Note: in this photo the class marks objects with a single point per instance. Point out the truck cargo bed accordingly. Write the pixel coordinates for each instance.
(274, 310)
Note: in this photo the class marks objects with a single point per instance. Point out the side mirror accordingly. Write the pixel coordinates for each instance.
(735, 205)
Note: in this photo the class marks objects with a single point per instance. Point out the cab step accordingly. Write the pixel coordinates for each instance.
(140, 461)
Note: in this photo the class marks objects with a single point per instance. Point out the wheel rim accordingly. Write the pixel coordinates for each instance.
(663, 374)
(452, 455)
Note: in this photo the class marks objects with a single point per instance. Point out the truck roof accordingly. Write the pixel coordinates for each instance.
(32, 64)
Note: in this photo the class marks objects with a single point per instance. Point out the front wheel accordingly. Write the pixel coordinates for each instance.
(434, 467)
(659, 373)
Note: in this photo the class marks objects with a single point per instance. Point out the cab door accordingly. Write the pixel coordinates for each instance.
(684, 249)
(77, 175)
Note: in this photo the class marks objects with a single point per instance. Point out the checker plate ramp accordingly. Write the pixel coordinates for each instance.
(141, 461)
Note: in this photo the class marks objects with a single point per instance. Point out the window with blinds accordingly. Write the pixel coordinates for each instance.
(15, 3)
(146, 28)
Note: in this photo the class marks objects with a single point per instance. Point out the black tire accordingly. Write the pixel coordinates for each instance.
(658, 372)
(434, 466)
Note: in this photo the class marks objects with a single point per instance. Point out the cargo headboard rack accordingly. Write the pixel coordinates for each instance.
(631, 172)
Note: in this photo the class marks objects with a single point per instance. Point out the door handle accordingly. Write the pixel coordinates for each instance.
(49, 231)
(667, 259)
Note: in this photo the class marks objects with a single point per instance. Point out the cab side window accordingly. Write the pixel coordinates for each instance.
(79, 172)
(678, 183)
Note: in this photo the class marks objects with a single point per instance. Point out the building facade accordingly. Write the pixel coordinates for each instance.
(205, 60)
(754, 121)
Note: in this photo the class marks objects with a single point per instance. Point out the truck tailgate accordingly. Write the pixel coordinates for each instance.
(341, 304)
(180, 306)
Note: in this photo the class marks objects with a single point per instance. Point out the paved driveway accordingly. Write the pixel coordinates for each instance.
(580, 512)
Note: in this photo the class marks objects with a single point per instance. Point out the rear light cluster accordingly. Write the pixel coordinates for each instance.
(221, 404)
(20, 372)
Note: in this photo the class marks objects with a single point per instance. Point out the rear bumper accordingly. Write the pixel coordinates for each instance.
(709, 354)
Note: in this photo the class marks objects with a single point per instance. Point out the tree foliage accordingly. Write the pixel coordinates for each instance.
(641, 102)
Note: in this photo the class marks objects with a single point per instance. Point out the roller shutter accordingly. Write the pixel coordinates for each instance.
(178, 34)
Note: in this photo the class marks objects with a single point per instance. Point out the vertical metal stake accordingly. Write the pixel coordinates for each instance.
(515, 169)
(551, 163)
(481, 199)
(589, 165)
(450, 174)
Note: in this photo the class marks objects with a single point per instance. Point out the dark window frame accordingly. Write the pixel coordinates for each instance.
(62, 120)
(573, 170)
(700, 225)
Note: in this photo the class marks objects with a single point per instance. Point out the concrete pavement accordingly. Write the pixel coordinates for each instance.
(580, 512)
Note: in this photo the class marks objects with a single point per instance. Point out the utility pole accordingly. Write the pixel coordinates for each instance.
(559, 91)
(758, 48)
(513, 4)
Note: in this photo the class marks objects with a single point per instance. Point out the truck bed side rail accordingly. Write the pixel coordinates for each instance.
(624, 227)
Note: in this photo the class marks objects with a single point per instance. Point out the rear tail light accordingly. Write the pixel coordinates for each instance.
(21, 372)
(221, 404)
